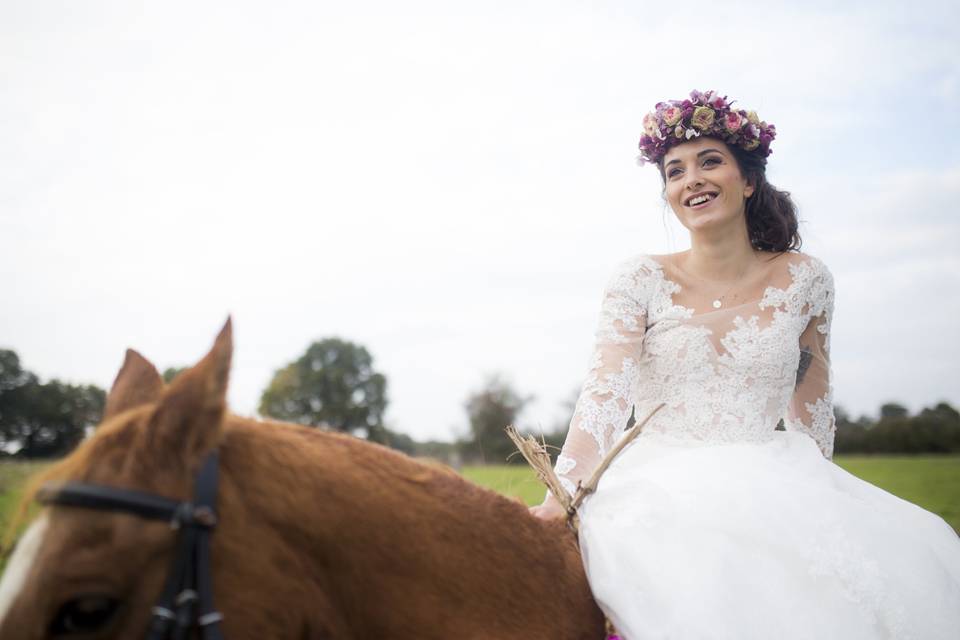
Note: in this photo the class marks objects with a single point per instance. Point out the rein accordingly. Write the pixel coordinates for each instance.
(187, 598)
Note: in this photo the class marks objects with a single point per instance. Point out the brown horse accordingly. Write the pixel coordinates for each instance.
(320, 535)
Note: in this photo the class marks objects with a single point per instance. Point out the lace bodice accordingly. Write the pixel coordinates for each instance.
(727, 375)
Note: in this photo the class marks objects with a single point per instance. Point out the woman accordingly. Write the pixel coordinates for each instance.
(715, 523)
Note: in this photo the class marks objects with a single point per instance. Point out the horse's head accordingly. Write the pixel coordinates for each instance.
(80, 573)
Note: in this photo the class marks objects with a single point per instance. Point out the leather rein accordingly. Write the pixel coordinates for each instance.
(187, 598)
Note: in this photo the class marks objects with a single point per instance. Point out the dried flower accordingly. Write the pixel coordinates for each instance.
(672, 115)
(733, 121)
(702, 118)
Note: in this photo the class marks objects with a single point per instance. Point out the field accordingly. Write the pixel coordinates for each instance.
(12, 478)
(933, 482)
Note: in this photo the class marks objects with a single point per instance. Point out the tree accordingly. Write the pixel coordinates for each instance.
(892, 410)
(42, 420)
(489, 411)
(172, 372)
(850, 437)
(15, 384)
(332, 385)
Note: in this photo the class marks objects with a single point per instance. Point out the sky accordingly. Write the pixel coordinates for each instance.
(450, 184)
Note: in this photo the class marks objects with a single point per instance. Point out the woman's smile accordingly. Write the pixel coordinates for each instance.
(701, 200)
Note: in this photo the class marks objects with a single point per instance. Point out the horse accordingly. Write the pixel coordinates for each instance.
(319, 535)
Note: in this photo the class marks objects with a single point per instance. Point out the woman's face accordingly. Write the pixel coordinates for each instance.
(704, 185)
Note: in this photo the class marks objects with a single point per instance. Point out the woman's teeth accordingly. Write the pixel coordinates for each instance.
(701, 199)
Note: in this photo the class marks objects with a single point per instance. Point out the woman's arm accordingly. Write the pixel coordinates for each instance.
(606, 397)
(811, 407)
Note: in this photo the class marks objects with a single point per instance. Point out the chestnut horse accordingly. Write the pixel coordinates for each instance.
(320, 535)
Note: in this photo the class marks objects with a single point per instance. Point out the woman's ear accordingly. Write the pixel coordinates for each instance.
(748, 190)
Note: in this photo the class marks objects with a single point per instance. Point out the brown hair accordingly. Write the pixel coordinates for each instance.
(771, 215)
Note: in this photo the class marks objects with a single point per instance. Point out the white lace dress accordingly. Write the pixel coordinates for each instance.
(713, 523)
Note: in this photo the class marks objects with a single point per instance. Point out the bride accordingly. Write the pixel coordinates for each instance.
(715, 523)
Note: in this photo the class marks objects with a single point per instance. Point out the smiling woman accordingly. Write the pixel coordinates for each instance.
(715, 522)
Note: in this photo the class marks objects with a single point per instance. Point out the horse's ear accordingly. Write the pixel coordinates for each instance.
(137, 383)
(189, 418)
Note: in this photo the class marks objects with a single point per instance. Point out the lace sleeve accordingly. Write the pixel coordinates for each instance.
(811, 407)
(606, 397)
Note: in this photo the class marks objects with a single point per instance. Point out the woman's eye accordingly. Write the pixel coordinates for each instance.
(673, 172)
(716, 160)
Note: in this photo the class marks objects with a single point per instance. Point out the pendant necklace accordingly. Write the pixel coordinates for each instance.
(718, 302)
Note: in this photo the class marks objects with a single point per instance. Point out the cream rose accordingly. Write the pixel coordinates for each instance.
(650, 124)
(672, 115)
(702, 118)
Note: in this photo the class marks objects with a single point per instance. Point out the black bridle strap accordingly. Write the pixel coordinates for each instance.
(187, 598)
(102, 498)
(206, 497)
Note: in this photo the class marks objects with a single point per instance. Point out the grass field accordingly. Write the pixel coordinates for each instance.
(933, 482)
(12, 478)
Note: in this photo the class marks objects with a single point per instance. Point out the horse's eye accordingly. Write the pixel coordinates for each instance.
(85, 614)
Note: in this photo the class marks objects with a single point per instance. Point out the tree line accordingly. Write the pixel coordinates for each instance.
(334, 385)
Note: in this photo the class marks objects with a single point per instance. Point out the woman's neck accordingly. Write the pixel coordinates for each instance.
(720, 259)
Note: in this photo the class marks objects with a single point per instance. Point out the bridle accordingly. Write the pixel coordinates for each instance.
(187, 598)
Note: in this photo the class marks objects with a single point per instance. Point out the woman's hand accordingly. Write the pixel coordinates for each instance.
(549, 510)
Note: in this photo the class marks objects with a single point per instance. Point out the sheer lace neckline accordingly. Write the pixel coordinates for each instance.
(674, 287)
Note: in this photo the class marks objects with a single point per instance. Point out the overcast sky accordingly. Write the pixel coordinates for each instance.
(450, 184)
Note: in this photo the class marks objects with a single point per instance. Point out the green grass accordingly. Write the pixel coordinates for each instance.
(13, 476)
(515, 481)
(932, 482)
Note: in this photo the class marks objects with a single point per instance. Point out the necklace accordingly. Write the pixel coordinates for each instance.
(718, 302)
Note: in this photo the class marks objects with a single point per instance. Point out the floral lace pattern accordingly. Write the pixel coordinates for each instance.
(725, 376)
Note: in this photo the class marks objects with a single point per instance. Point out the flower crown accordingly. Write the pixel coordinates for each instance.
(704, 114)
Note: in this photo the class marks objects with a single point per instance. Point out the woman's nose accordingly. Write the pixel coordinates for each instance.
(693, 180)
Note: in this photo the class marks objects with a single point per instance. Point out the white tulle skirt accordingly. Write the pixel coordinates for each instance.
(741, 541)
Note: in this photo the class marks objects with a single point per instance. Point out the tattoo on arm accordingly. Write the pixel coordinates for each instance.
(806, 355)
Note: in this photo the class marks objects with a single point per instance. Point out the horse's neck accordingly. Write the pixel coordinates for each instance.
(366, 527)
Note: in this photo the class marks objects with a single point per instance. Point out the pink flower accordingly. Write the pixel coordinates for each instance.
(733, 121)
(702, 118)
(672, 115)
(650, 124)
